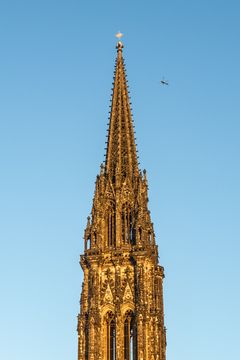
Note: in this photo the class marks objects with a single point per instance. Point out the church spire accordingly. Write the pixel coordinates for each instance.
(121, 155)
(121, 316)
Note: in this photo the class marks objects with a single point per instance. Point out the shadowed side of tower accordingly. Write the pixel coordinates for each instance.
(121, 315)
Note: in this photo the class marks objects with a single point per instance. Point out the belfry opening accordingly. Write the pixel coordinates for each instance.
(121, 307)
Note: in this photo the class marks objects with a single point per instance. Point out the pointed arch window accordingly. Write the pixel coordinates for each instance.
(128, 234)
(94, 238)
(150, 237)
(110, 337)
(111, 226)
(88, 243)
(130, 337)
(140, 234)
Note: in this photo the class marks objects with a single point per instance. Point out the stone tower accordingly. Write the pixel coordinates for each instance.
(121, 315)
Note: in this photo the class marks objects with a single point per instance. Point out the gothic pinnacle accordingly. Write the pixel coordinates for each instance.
(121, 157)
(119, 46)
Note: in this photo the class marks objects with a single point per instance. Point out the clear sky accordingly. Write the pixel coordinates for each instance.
(56, 68)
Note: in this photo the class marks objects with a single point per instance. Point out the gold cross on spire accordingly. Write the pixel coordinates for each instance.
(119, 35)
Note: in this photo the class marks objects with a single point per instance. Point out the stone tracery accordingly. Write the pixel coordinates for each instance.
(121, 315)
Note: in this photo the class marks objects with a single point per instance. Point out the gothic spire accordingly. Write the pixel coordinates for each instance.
(121, 155)
(121, 314)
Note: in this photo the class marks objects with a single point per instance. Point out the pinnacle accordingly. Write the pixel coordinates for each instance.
(121, 155)
(119, 46)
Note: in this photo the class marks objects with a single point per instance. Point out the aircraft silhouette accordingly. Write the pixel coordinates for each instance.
(164, 82)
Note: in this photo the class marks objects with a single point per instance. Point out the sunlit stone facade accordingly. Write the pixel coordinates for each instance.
(121, 315)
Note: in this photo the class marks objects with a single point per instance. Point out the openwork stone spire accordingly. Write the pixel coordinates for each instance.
(121, 315)
(121, 156)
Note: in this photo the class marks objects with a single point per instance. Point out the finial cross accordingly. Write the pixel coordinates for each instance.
(119, 35)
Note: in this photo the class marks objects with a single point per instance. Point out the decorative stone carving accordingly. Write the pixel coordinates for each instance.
(121, 301)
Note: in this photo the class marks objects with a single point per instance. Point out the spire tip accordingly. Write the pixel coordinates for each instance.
(119, 46)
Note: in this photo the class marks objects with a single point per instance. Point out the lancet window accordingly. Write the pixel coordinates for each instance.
(140, 234)
(111, 226)
(130, 337)
(150, 237)
(128, 234)
(88, 242)
(110, 337)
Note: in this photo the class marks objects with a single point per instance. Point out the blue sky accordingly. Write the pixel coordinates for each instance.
(56, 69)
